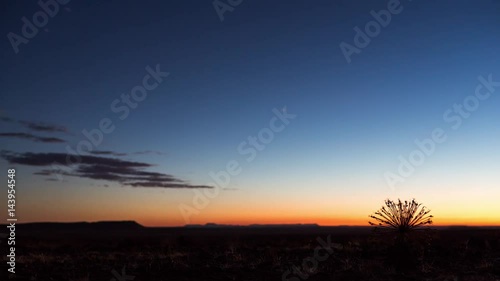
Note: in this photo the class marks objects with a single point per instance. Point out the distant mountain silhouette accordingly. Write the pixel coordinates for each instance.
(214, 225)
(285, 225)
(134, 228)
(79, 226)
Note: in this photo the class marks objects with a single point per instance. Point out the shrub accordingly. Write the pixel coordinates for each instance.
(401, 217)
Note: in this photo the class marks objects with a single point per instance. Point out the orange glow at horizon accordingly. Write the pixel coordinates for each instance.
(320, 220)
(325, 222)
(158, 208)
(155, 219)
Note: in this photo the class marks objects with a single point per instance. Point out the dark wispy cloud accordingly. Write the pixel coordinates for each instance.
(42, 127)
(106, 152)
(31, 137)
(37, 126)
(127, 173)
(114, 153)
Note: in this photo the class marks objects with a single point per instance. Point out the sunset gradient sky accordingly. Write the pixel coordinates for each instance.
(353, 120)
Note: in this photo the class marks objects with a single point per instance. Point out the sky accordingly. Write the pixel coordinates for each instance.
(261, 94)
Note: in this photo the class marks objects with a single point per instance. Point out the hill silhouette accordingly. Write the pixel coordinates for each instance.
(98, 226)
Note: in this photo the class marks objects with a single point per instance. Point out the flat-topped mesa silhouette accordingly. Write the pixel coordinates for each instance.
(104, 226)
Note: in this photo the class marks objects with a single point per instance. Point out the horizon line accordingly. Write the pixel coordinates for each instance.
(248, 225)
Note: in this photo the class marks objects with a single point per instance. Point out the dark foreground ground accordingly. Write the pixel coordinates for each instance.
(131, 252)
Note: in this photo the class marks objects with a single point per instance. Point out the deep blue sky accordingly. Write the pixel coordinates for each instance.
(353, 120)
